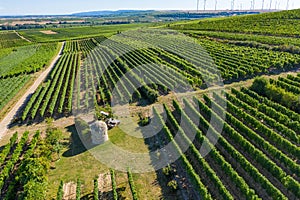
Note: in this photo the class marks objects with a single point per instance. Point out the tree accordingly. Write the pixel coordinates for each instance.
(259, 85)
(53, 139)
(34, 190)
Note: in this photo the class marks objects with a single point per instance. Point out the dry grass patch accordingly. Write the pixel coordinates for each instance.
(49, 32)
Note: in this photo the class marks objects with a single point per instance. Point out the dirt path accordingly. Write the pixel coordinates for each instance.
(4, 124)
(22, 36)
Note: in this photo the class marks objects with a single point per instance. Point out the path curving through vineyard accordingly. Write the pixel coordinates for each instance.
(4, 124)
(22, 36)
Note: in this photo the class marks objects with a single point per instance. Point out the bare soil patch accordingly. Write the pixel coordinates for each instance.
(69, 191)
(49, 32)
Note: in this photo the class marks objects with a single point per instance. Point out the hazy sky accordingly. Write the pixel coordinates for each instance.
(21, 7)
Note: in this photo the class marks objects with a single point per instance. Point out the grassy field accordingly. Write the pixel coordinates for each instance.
(76, 162)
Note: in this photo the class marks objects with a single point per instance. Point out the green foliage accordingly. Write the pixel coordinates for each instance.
(236, 62)
(292, 115)
(260, 84)
(287, 85)
(267, 114)
(57, 90)
(195, 179)
(228, 130)
(78, 189)
(144, 120)
(30, 176)
(6, 149)
(33, 173)
(53, 138)
(9, 87)
(259, 155)
(13, 160)
(173, 185)
(187, 122)
(275, 138)
(132, 185)
(167, 170)
(96, 189)
(71, 47)
(34, 190)
(279, 92)
(60, 191)
(114, 184)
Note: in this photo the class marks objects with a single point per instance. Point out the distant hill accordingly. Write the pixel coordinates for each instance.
(203, 14)
(110, 13)
(176, 14)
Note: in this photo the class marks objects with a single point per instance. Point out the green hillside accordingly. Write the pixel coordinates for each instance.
(284, 23)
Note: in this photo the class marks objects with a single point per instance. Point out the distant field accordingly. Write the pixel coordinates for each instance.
(11, 39)
(76, 32)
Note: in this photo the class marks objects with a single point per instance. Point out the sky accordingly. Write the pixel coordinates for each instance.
(27, 7)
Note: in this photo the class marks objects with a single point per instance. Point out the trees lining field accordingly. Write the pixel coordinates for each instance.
(77, 32)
